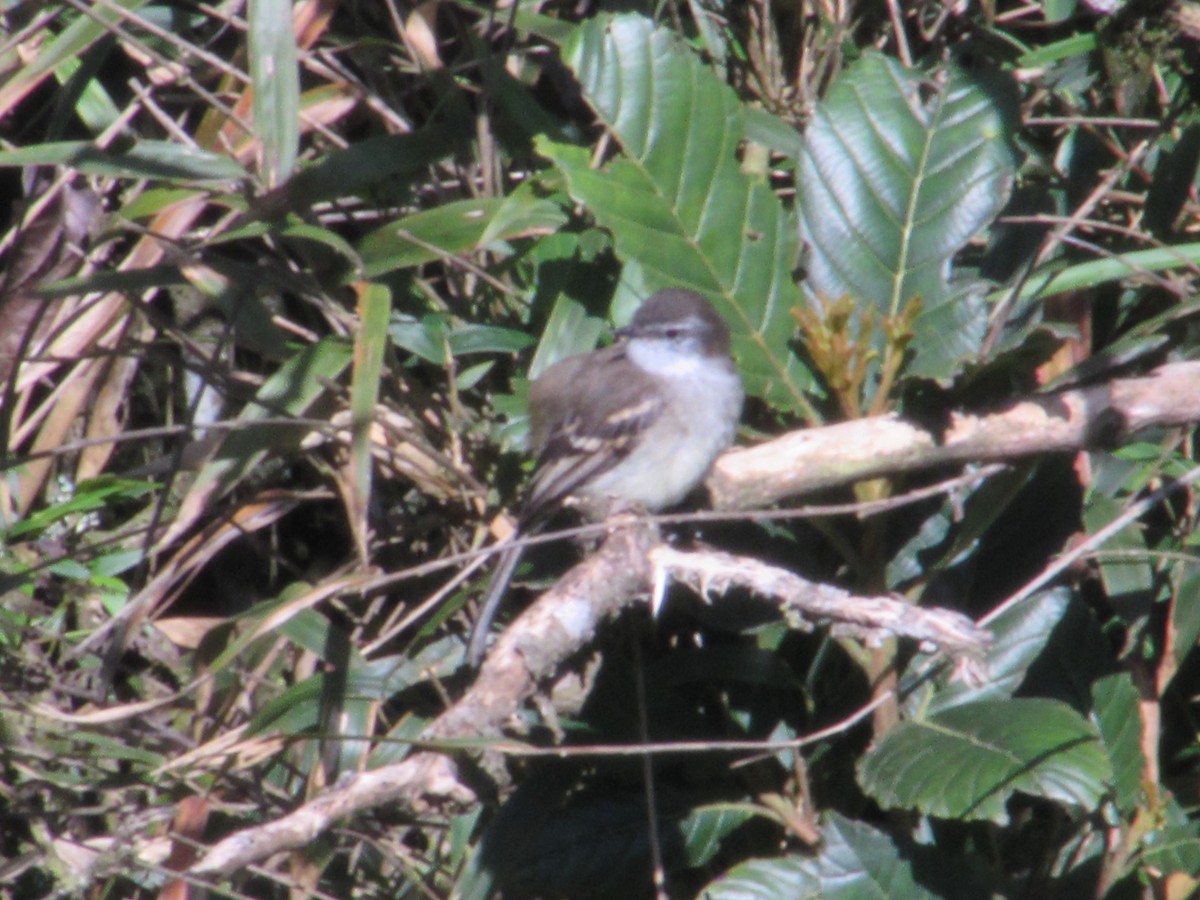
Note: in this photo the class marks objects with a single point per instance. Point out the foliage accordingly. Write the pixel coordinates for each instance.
(276, 279)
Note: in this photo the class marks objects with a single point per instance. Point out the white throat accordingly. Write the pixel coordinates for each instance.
(665, 359)
(703, 398)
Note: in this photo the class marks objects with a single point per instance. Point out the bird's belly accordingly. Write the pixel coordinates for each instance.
(666, 466)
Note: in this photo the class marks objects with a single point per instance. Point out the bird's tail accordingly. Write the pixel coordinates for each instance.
(491, 600)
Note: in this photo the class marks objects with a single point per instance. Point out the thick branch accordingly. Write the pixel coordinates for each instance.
(815, 458)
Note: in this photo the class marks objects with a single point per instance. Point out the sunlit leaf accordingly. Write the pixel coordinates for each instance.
(675, 199)
(1018, 637)
(275, 86)
(898, 170)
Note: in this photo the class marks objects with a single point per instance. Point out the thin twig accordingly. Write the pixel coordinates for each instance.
(1077, 552)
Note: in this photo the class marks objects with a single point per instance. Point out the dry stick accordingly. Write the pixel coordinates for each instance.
(562, 620)
(649, 793)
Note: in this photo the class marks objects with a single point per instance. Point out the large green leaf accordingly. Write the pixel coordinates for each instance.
(675, 200)
(967, 761)
(898, 170)
(855, 861)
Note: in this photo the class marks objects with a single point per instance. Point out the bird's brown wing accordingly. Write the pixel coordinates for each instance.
(588, 413)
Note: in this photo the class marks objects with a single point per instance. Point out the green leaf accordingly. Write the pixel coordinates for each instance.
(675, 200)
(898, 170)
(771, 131)
(156, 160)
(339, 703)
(1185, 610)
(855, 862)
(302, 231)
(473, 338)
(1175, 848)
(705, 827)
(1057, 279)
(425, 337)
(967, 761)
(1019, 636)
(569, 330)
(1076, 45)
(275, 86)
(114, 749)
(82, 94)
(436, 336)
(88, 495)
(955, 528)
(296, 711)
(456, 228)
(1077, 652)
(384, 162)
(152, 201)
(70, 569)
(1129, 574)
(1115, 702)
(1058, 10)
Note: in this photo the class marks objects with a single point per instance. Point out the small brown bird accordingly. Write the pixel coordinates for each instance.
(637, 424)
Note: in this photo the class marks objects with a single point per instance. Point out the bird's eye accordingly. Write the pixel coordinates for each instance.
(674, 334)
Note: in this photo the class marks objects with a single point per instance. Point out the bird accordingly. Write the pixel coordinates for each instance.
(635, 425)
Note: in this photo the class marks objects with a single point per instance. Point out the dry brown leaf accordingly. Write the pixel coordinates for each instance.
(420, 34)
(187, 632)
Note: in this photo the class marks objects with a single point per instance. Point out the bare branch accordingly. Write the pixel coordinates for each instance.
(808, 602)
